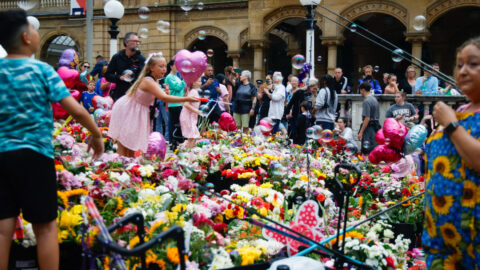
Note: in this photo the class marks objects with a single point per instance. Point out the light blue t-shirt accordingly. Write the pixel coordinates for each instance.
(429, 87)
(27, 87)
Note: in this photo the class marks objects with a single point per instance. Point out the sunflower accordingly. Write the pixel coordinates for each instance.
(436, 135)
(452, 263)
(462, 116)
(442, 204)
(441, 165)
(450, 234)
(430, 223)
(469, 194)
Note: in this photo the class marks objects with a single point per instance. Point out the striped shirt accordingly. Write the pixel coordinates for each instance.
(27, 87)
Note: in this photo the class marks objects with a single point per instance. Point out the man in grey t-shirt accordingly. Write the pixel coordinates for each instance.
(402, 111)
(370, 115)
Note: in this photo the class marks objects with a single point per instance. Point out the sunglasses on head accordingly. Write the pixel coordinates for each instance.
(86, 66)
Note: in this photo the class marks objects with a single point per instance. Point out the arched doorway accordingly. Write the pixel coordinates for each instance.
(53, 48)
(357, 51)
(218, 59)
(287, 39)
(446, 38)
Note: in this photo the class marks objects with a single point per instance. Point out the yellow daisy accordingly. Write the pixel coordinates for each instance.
(441, 165)
(450, 234)
(469, 194)
(430, 223)
(442, 204)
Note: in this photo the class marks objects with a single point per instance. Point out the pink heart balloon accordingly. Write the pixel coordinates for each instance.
(384, 153)
(379, 137)
(190, 65)
(69, 76)
(395, 132)
(226, 122)
(58, 111)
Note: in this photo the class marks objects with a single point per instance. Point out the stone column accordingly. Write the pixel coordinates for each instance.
(258, 64)
(332, 44)
(417, 39)
(235, 55)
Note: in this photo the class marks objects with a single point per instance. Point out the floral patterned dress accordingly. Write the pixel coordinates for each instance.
(452, 215)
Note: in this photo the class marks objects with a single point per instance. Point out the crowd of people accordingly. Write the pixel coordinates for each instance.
(450, 235)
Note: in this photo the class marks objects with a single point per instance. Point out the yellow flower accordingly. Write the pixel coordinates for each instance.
(250, 254)
(266, 185)
(229, 213)
(441, 165)
(173, 255)
(148, 186)
(59, 167)
(430, 223)
(470, 193)
(360, 202)
(218, 218)
(351, 234)
(442, 204)
(304, 178)
(240, 213)
(179, 208)
(69, 220)
(119, 204)
(263, 211)
(133, 242)
(450, 234)
(154, 227)
(62, 235)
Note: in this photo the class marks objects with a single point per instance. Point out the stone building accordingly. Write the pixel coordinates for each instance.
(263, 35)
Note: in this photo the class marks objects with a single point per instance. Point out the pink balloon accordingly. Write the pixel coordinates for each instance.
(265, 124)
(102, 102)
(58, 111)
(396, 132)
(226, 122)
(157, 145)
(384, 153)
(379, 137)
(190, 65)
(69, 76)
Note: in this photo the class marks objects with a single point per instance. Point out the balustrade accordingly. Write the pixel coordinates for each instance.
(354, 104)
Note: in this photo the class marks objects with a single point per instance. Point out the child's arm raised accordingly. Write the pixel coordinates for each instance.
(149, 85)
(81, 115)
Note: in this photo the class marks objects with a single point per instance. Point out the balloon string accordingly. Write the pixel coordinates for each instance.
(64, 124)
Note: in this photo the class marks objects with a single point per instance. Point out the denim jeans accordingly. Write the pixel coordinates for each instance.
(162, 122)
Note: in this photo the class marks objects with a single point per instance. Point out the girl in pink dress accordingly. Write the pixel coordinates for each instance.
(189, 115)
(130, 122)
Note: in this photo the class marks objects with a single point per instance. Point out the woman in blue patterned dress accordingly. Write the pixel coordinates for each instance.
(451, 233)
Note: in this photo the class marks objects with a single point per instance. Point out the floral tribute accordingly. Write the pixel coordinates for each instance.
(269, 176)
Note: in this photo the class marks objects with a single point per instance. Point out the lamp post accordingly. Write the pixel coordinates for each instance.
(310, 5)
(114, 10)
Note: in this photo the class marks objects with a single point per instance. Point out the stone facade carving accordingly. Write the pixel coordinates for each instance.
(191, 36)
(243, 37)
(278, 15)
(438, 8)
(377, 6)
